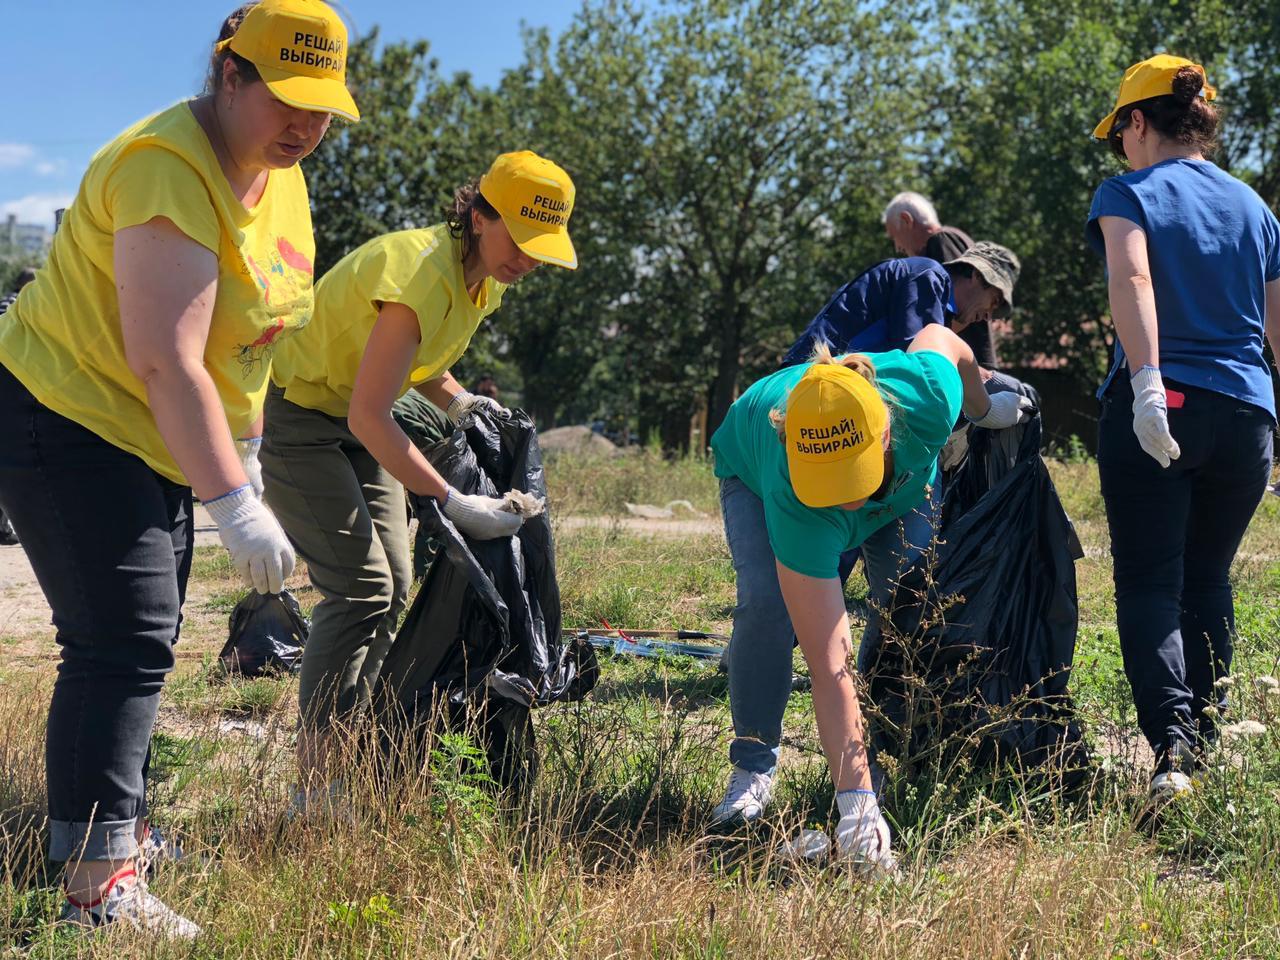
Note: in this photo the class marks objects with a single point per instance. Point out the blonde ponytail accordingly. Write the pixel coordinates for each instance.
(859, 363)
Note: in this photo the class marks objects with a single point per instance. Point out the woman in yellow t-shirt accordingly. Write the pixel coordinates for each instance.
(393, 314)
(127, 371)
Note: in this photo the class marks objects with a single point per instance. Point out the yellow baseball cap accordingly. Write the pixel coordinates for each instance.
(835, 425)
(300, 49)
(1150, 78)
(534, 197)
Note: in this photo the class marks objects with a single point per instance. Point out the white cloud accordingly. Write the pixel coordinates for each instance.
(13, 155)
(36, 208)
(24, 156)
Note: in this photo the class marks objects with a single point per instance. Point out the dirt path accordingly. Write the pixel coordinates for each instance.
(23, 609)
(687, 527)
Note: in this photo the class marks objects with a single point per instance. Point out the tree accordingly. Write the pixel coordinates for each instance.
(716, 145)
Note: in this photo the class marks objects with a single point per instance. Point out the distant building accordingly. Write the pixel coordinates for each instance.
(28, 237)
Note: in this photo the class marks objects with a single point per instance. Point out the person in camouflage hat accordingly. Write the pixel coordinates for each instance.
(984, 277)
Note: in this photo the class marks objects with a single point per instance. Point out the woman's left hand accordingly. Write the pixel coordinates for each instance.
(467, 402)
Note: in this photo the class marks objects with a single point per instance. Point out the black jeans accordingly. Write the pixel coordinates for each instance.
(110, 541)
(1174, 533)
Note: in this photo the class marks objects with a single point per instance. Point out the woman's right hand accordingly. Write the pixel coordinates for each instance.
(483, 518)
(253, 536)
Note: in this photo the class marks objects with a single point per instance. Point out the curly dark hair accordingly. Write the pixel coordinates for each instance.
(1183, 116)
(248, 72)
(457, 215)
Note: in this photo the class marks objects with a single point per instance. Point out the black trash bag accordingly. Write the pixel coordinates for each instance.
(268, 632)
(482, 640)
(984, 625)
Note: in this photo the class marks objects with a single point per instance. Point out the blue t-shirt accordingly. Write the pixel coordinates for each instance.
(1213, 245)
(880, 309)
(926, 396)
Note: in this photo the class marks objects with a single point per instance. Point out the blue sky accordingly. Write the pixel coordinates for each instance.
(76, 72)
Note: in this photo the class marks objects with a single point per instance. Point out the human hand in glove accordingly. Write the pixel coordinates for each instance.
(248, 448)
(1151, 417)
(862, 835)
(1007, 409)
(252, 535)
(467, 402)
(484, 518)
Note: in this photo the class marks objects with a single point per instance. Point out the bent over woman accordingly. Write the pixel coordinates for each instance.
(812, 460)
(392, 315)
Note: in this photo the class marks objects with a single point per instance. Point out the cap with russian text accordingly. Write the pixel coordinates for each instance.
(534, 197)
(835, 428)
(300, 50)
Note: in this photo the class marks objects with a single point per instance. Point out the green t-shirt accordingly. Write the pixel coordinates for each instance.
(927, 394)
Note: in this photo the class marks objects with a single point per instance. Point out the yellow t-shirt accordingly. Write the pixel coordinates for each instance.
(62, 338)
(421, 269)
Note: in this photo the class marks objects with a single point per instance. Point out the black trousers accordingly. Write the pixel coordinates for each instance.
(110, 541)
(1174, 533)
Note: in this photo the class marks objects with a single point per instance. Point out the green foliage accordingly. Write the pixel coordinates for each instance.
(732, 160)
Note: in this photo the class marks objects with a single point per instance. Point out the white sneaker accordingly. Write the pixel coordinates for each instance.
(1166, 786)
(863, 841)
(745, 799)
(127, 900)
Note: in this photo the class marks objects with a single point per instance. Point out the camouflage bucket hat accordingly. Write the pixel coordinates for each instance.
(998, 266)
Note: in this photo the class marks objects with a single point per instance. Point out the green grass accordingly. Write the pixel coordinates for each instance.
(611, 856)
(604, 485)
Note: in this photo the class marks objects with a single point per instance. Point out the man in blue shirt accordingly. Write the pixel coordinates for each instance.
(884, 307)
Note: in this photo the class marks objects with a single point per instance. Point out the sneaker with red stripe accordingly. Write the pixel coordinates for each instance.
(126, 899)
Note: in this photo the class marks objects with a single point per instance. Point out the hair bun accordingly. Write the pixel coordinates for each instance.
(1187, 84)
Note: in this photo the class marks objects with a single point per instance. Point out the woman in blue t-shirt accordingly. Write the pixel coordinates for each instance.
(1188, 412)
(812, 460)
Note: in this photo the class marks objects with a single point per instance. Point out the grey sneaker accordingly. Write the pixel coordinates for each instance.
(156, 850)
(324, 803)
(745, 799)
(127, 900)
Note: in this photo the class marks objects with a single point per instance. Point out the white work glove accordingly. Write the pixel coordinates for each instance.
(1007, 409)
(955, 449)
(467, 402)
(484, 518)
(252, 535)
(248, 449)
(862, 835)
(1151, 417)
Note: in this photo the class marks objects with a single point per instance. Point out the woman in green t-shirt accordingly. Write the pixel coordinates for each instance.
(394, 314)
(812, 460)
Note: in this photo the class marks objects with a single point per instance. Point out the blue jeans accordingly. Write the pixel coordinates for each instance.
(760, 657)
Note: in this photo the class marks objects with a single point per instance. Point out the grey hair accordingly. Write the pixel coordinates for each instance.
(916, 204)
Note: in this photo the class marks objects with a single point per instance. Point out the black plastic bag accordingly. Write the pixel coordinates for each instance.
(268, 632)
(984, 625)
(482, 640)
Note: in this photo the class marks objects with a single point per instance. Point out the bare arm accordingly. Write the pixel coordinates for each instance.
(387, 359)
(821, 623)
(165, 285)
(939, 339)
(1133, 301)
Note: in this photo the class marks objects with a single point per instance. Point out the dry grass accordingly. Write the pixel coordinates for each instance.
(611, 855)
